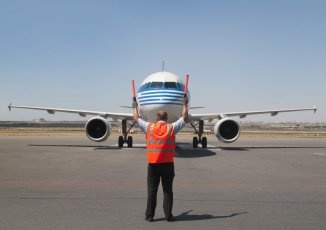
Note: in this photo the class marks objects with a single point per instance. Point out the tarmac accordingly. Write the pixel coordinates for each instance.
(73, 183)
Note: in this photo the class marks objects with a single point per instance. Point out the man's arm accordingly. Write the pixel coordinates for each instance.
(179, 124)
(143, 125)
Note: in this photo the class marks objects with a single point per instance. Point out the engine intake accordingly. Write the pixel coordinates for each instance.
(98, 129)
(227, 130)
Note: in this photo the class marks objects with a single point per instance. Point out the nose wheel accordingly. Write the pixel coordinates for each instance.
(200, 139)
(129, 142)
(204, 142)
(120, 141)
(125, 138)
(195, 142)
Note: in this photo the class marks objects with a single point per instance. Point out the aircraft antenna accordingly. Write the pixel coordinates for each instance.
(163, 66)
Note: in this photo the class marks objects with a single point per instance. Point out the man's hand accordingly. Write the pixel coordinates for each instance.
(135, 109)
(185, 108)
(134, 104)
(185, 101)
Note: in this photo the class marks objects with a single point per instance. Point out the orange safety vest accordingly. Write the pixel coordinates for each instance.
(160, 140)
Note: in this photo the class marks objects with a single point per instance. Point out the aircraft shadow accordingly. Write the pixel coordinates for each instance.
(192, 152)
(116, 147)
(76, 146)
(181, 152)
(96, 147)
(185, 216)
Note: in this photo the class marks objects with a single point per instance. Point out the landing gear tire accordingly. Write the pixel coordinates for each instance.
(195, 142)
(129, 142)
(204, 142)
(120, 141)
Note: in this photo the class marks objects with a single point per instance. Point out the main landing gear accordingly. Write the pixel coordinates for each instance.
(125, 138)
(200, 139)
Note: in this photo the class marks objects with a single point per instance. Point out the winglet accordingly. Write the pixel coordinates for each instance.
(9, 106)
(315, 109)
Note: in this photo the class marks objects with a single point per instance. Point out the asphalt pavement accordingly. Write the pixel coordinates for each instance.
(73, 183)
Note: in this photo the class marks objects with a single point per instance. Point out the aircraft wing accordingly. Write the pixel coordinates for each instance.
(211, 116)
(82, 113)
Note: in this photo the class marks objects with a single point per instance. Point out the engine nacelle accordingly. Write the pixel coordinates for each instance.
(227, 130)
(98, 129)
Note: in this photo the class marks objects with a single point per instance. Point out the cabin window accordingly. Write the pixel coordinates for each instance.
(157, 85)
(170, 85)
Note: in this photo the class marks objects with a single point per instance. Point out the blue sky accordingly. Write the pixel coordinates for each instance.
(241, 55)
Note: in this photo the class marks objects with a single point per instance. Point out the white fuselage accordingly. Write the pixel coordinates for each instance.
(162, 91)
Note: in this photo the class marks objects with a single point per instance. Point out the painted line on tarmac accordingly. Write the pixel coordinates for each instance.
(320, 154)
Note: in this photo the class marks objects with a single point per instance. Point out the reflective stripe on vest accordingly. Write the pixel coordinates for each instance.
(160, 141)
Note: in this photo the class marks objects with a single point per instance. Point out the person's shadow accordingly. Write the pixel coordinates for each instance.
(185, 216)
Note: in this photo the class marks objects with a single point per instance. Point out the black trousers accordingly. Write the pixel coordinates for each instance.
(165, 172)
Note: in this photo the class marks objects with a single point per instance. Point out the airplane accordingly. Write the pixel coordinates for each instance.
(162, 91)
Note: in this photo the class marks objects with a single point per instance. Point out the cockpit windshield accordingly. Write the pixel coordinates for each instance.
(157, 85)
(170, 85)
(160, 85)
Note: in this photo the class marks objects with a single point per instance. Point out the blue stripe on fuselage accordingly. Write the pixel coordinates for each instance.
(160, 103)
(163, 96)
(151, 91)
(160, 94)
(160, 99)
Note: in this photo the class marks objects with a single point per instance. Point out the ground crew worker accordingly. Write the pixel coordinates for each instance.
(160, 138)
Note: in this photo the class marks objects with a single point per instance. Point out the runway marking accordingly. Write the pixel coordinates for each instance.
(320, 154)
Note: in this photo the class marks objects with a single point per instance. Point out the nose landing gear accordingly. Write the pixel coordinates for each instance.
(200, 139)
(125, 138)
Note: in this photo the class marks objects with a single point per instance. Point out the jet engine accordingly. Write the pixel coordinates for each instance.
(227, 130)
(98, 129)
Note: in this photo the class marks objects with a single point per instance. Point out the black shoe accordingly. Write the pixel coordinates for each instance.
(170, 219)
(149, 219)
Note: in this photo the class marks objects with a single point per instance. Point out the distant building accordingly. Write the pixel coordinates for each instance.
(39, 120)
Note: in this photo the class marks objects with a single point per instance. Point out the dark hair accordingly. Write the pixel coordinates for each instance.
(162, 116)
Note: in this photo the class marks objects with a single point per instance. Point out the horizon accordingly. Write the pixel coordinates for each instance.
(242, 121)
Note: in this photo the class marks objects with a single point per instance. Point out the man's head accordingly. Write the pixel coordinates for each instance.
(161, 116)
